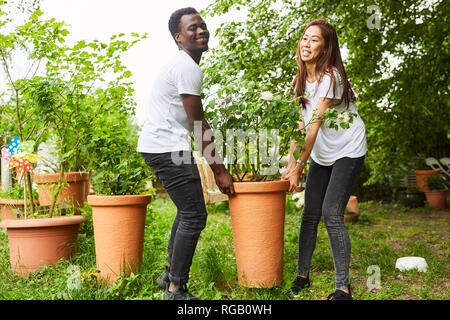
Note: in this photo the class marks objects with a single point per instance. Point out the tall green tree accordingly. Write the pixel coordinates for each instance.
(397, 59)
(76, 95)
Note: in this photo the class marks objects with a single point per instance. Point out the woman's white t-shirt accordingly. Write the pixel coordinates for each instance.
(167, 127)
(331, 145)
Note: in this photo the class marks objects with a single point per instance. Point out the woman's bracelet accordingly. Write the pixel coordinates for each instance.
(300, 162)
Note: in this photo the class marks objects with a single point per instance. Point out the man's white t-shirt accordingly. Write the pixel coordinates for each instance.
(330, 144)
(167, 128)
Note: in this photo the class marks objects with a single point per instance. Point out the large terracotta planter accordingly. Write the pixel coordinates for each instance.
(119, 224)
(257, 213)
(38, 242)
(437, 198)
(422, 177)
(74, 194)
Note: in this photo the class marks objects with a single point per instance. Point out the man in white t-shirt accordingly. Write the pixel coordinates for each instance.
(174, 106)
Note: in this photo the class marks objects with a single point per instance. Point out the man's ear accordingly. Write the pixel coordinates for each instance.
(176, 36)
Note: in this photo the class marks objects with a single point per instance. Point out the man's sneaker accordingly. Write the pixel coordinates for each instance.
(341, 295)
(163, 279)
(181, 294)
(299, 284)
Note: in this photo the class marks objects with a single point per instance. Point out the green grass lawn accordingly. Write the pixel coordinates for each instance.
(382, 234)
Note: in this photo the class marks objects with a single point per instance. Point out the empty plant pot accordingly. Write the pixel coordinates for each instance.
(257, 213)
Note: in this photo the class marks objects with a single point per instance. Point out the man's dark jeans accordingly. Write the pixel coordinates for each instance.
(327, 192)
(183, 184)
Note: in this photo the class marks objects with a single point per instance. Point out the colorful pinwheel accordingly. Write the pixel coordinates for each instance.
(20, 156)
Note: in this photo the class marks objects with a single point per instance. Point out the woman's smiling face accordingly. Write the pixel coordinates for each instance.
(311, 45)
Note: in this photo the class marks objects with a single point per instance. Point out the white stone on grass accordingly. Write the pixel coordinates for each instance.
(409, 263)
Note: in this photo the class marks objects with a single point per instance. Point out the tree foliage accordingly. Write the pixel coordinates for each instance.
(396, 56)
(79, 96)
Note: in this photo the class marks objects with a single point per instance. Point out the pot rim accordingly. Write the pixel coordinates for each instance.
(72, 176)
(437, 191)
(261, 186)
(430, 171)
(118, 200)
(409, 192)
(14, 202)
(43, 222)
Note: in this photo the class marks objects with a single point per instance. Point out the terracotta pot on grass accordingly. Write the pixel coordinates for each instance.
(353, 210)
(72, 195)
(38, 242)
(437, 198)
(257, 216)
(422, 177)
(119, 223)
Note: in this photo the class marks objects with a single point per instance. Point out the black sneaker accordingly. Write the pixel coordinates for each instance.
(299, 284)
(341, 295)
(181, 294)
(163, 279)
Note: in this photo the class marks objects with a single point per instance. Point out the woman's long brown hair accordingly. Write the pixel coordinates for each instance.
(330, 59)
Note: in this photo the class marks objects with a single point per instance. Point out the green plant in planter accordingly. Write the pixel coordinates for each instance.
(412, 189)
(64, 89)
(118, 168)
(16, 192)
(436, 182)
(74, 93)
(119, 203)
(28, 44)
(263, 125)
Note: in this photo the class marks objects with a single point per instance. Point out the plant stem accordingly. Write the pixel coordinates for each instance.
(58, 189)
(25, 195)
(61, 175)
(30, 191)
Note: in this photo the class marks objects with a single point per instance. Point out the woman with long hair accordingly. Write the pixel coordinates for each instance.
(337, 156)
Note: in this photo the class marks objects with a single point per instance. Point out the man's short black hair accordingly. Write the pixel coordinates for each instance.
(174, 21)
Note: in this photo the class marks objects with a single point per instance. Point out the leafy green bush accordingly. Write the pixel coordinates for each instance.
(118, 168)
(436, 182)
(16, 192)
(261, 46)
